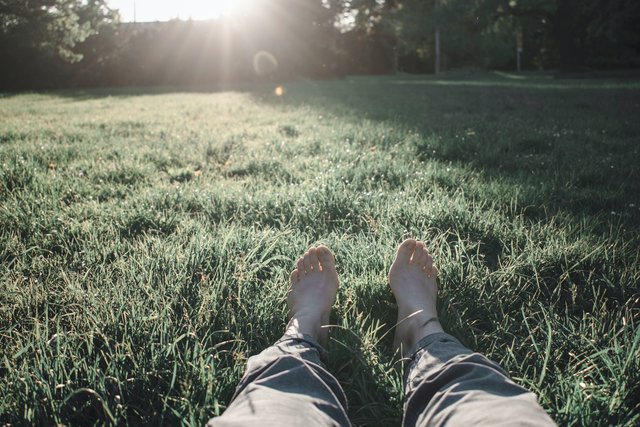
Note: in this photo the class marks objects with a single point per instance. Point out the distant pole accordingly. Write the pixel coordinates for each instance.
(437, 37)
(134, 12)
(518, 60)
(519, 44)
(396, 61)
(437, 50)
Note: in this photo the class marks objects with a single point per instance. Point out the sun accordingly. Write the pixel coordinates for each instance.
(164, 10)
(208, 9)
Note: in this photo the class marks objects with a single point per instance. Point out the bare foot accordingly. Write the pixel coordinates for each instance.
(314, 284)
(413, 281)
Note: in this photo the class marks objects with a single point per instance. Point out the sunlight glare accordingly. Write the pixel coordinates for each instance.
(164, 10)
(208, 9)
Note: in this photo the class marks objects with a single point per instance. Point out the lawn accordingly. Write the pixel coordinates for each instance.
(146, 236)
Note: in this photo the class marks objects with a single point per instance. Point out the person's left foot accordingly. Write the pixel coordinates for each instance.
(314, 284)
(413, 281)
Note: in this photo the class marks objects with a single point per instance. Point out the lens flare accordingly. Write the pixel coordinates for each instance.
(264, 63)
(279, 91)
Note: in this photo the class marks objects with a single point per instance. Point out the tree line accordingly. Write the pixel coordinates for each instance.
(66, 43)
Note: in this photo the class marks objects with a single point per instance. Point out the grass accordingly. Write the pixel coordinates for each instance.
(146, 236)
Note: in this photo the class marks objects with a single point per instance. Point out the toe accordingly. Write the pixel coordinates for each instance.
(405, 250)
(428, 261)
(432, 272)
(307, 262)
(418, 254)
(325, 257)
(294, 277)
(424, 259)
(300, 266)
(313, 255)
(428, 266)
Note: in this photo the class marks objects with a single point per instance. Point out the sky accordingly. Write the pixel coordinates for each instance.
(164, 10)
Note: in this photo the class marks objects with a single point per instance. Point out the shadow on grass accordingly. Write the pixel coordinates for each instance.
(554, 145)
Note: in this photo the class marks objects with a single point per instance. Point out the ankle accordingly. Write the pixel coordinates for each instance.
(430, 327)
(304, 324)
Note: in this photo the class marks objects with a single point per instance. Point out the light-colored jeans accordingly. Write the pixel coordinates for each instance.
(447, 384)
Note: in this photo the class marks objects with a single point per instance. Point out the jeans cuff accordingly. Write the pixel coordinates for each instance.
(428, 340)
(304, 338)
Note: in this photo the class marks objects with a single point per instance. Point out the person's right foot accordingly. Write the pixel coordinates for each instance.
(313, 288)
(412, 278)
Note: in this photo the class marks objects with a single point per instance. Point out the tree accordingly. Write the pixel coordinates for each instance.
(299, 33)
(37, 37)
(468, 34)
(578, 33)
(52, 24)
(367, 35)
(565, 34)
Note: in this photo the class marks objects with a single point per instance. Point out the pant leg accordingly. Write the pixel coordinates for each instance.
(286, 384)
(449, 384)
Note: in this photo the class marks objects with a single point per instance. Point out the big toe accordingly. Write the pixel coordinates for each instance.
(327, 261)
(405, 250)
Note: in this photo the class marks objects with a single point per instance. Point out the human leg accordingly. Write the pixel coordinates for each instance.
(286, 384)
(446, 382)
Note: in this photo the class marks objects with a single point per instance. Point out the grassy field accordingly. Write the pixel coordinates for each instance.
(146, 236)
